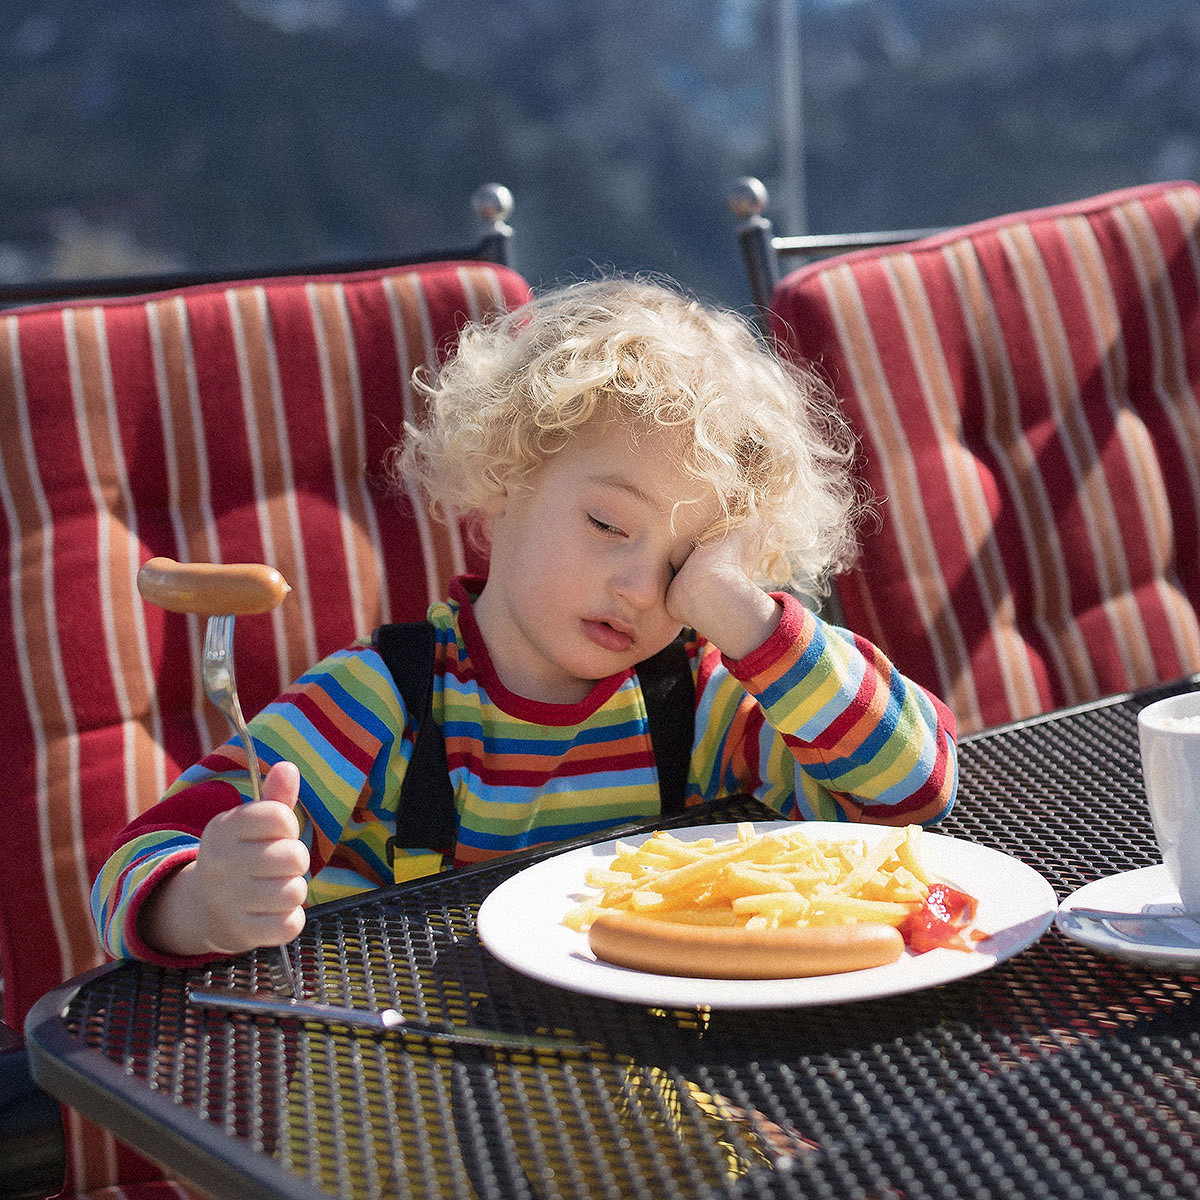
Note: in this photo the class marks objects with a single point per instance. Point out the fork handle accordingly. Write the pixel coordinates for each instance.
(221, 684)
(1114, 916)
(283, 974)
(239, 727)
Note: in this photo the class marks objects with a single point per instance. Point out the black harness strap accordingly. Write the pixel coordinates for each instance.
(426, 818)
(666, 680)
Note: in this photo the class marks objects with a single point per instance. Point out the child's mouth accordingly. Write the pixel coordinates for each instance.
(607, 636)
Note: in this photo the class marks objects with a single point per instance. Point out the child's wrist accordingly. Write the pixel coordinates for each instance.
(167, 921)
(736, 618)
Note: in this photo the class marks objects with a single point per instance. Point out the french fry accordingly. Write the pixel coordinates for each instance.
(849, 910)
(906, 852)
(773, 908)
(693, 916)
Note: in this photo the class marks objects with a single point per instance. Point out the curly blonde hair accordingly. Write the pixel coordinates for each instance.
(766, 436)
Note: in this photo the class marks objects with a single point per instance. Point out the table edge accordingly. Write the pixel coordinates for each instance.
(171, 1134)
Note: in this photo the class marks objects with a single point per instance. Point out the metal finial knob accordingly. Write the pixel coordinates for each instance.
(493, 203)
(747, 198)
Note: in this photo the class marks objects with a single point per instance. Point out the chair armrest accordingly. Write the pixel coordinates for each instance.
(32, 1148)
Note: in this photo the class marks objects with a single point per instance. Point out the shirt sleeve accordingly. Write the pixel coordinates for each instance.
(338, 723)
(818, 723)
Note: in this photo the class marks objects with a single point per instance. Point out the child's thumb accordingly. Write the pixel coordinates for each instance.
(282, 784)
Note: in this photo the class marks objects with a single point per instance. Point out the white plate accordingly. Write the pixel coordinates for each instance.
(521, 924)
(1148, 890)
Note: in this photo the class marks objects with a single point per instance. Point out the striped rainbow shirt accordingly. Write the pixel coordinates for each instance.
(815, 722)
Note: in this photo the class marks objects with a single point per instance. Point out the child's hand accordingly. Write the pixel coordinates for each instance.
(714, 592)
(247, 883)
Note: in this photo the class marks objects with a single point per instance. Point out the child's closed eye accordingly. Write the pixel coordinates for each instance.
(604, 527)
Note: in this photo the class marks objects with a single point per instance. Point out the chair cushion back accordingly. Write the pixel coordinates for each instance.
(1025, 392)
(238, 423)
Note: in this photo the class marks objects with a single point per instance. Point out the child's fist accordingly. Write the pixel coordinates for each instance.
(713, 591)
(250, 869)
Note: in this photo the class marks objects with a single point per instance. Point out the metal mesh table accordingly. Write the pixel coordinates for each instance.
(1060, 1073)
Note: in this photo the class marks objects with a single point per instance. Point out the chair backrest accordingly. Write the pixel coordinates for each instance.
(1025, 392)
(230, 423)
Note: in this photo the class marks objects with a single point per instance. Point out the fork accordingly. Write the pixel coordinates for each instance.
(1105, 916)
(220, 684)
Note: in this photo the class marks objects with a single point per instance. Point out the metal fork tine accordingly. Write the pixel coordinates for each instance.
(220, 684)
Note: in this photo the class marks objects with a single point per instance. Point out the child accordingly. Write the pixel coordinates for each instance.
(640, 465)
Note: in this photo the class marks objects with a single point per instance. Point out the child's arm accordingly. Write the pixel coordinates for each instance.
(819, 725)
(342, 722)
(828, 728)
(245, 887)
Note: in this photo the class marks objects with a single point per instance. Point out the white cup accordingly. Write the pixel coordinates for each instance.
(1169, 733)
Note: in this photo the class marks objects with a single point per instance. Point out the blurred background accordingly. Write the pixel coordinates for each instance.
(147, 135)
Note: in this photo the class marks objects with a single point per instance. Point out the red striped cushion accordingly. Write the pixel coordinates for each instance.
(244, 423)
(1026, 394)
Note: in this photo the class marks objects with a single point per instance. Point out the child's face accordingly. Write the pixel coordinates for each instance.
(581, 560)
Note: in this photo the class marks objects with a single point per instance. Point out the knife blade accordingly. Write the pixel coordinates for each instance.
(376, 1021)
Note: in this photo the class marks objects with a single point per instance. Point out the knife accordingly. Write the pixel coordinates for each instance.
(377, 1021)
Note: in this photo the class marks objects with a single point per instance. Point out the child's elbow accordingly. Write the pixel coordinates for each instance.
(941, 788)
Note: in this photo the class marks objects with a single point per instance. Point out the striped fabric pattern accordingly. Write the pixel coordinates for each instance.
(1025, 392)
(844, 737)
(219, 423)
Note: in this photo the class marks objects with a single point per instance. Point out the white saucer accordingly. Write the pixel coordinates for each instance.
(1146, 890)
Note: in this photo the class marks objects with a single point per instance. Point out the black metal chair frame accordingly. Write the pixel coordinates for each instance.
(492, 204)
(767, 254)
